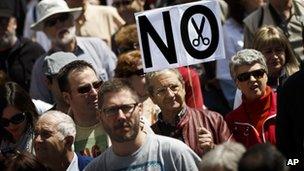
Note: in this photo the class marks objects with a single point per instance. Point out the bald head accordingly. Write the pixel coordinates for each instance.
(60, 121)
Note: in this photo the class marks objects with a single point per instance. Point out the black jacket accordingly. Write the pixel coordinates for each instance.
(18, 61)
(290, 118)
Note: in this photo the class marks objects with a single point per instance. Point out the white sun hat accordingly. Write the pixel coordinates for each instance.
(47, 8)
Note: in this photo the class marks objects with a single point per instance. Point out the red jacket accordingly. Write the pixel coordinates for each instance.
(191, 121)
(243, 129)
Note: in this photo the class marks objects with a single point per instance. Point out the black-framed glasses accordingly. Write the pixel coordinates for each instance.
(257, 74)
(88, 87)
(16, 119)
(53, 21)
(114, 110)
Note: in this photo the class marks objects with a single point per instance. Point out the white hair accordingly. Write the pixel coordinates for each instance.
(65, 124)
(224, 156)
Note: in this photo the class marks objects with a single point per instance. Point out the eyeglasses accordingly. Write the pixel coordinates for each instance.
(163, 90)
(88, 87)
(114, 110)
(52, 21)
(257, 74)
(16, 119)
(121, 3)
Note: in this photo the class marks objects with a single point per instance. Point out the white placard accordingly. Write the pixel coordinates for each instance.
(180, 35)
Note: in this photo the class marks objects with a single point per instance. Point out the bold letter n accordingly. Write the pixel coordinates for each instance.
(147, 28)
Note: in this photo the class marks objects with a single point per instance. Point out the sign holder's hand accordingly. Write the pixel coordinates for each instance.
(205, 139)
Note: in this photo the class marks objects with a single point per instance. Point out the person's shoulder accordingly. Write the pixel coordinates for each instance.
(295, 80)
(168, 144)
(29, 44)
(94, 41)
(205, 113)
(98, 162)
(103, 9)
(254, 16)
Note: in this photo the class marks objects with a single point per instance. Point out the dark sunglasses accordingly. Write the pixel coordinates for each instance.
(88, 87)
(52, 21)
(16, 119)
(258, 74)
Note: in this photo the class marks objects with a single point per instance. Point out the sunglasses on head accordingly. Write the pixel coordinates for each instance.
(53, 21)
(246, 75)
(16, 119)
(88, 87)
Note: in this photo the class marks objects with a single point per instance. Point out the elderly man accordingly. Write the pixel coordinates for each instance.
(17, 54)
(79, 84)
(199, 128)
(54, 137)
(56, 20)
(132, 148)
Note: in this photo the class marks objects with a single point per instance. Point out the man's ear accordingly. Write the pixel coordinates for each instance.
(66, 97)
(69, 141)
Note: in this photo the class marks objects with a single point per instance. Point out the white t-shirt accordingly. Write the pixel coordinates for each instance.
(157, 153)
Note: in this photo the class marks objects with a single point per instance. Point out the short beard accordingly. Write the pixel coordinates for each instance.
(8, 40)
(67, 38)
(134, 132)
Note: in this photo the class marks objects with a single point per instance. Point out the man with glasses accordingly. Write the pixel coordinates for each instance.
(17, 54)
(79, 84)
(199, 128)
(56, 20)
(132, 148)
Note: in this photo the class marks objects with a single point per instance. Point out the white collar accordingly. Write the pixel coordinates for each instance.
(74, 164)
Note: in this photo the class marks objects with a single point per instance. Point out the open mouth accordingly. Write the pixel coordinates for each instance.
(254, 87)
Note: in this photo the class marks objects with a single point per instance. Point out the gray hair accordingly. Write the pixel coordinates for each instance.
(224, 156)
(152, 75)
(65, 124)
(246, 57)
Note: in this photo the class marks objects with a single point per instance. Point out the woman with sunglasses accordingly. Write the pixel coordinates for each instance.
(280, 58)
(253, 121)
(17, 118)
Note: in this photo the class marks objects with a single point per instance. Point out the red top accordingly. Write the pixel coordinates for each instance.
(254, 122)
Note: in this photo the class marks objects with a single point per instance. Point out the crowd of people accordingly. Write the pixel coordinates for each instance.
(74, 95)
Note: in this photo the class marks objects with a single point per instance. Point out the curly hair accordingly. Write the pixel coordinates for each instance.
(128, 64)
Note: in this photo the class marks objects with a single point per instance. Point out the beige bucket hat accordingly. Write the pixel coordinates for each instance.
(47, 8)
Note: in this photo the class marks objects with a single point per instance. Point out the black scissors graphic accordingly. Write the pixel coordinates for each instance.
(196, 42)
